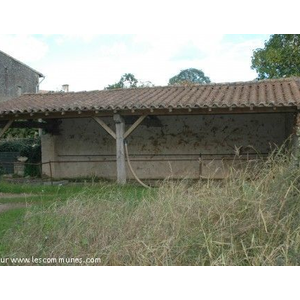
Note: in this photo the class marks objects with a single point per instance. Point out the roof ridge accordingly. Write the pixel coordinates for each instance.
(209, 84)
(294, 78)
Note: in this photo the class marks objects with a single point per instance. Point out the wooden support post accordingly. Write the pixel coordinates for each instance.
(4, 129)
(296, 137)
(134, 126)
(120, 137)
(51, 174)
(120, 150)
(105, 127)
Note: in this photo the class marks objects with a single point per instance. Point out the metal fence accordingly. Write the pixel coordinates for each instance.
(10, 165)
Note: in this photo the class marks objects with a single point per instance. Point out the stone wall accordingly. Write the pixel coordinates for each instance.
(184, 146)
(15, 78)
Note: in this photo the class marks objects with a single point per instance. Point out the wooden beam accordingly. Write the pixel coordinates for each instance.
(156, 112)
(105, 127)
(4, 129)
(134, 126)
(120, 148)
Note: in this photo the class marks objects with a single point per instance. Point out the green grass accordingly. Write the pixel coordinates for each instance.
(10, 220)
(42, 193)
(40, 197)
(6, 187)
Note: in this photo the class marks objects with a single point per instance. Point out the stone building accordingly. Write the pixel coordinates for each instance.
(16, 78)
(176, 131)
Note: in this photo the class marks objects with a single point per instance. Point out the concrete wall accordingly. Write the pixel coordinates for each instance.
(15, 77)
(172, 150)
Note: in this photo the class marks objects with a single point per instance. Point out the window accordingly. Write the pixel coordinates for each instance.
(19, 91)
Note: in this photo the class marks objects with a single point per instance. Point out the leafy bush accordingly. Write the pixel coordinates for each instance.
(21, 133)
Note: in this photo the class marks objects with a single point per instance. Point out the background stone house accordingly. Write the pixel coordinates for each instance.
(16, 78)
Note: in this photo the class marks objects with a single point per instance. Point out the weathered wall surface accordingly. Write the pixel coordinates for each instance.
(172, 150)
(15, 77)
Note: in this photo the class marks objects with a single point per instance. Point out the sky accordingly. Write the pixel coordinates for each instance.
(91, 62)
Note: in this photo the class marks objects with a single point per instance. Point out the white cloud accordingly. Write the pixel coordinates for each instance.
(116, 51)
(232, 61)
(171, 42)
(26, 48)
(151, 57)
(222, 61)
(86, 38)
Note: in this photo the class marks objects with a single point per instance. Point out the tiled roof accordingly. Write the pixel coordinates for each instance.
(265, 93)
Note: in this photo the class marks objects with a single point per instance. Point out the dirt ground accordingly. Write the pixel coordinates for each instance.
(8, 206)
(9, 195)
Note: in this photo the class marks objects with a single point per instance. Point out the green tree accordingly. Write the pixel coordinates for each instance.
(128, 80)
(280, 57)
(189, 76)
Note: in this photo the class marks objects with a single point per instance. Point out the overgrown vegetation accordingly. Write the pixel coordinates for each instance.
(251, 218)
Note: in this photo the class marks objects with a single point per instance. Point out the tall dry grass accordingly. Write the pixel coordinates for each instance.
(251, 218)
